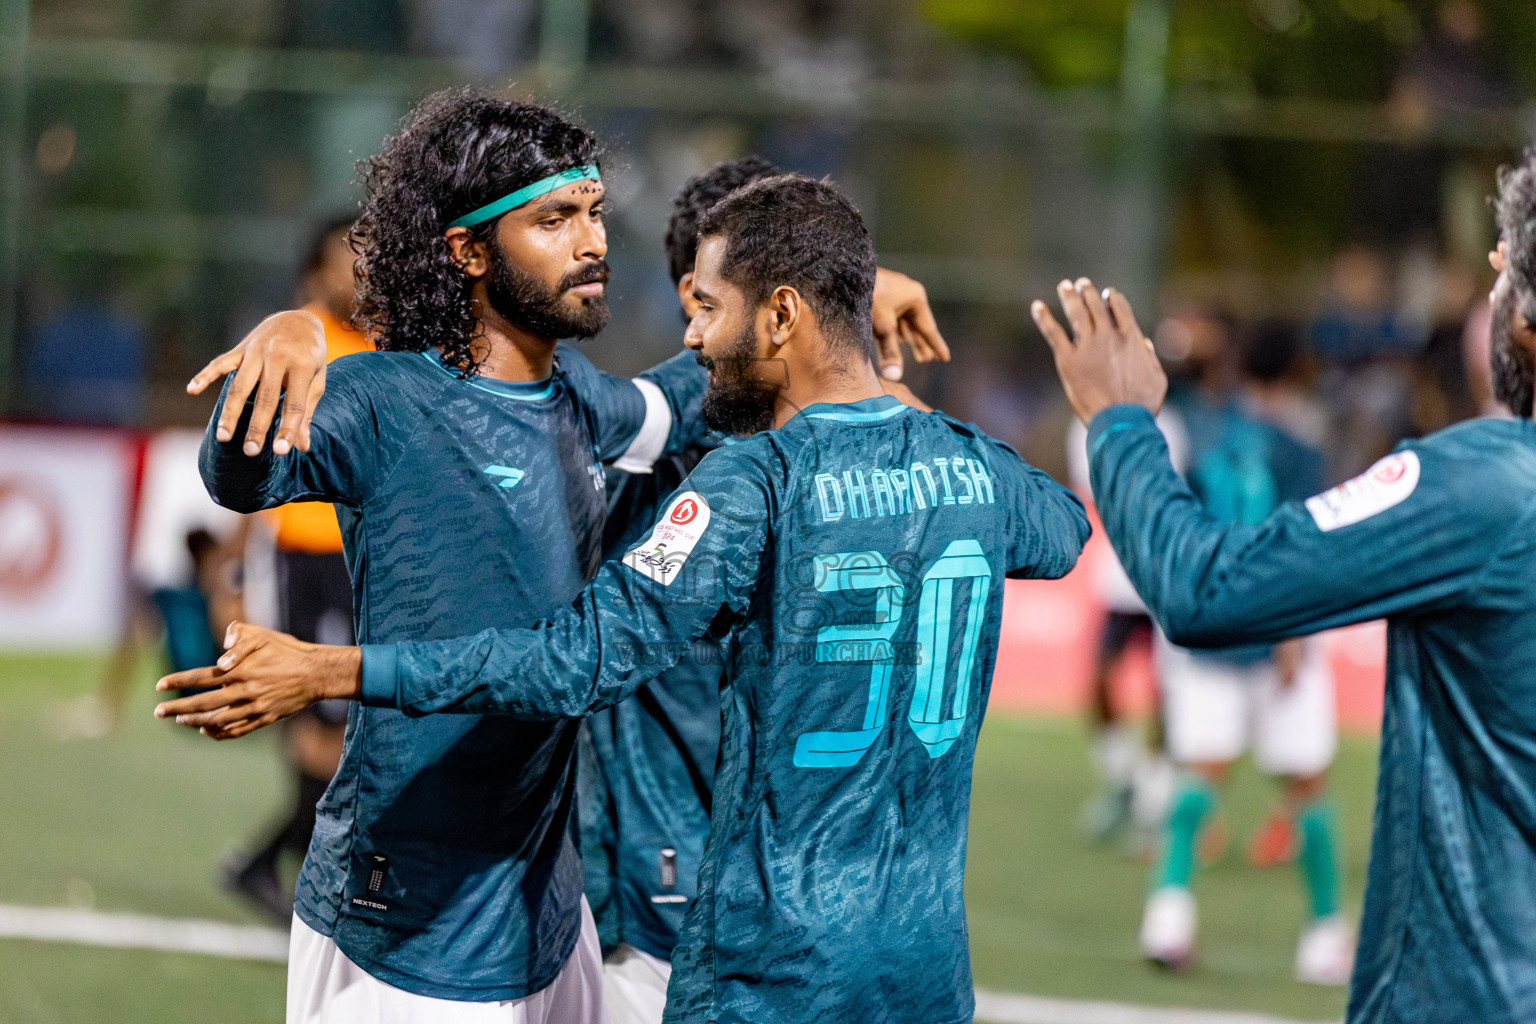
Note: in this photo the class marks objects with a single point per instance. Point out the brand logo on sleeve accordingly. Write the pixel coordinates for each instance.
(506, 477)
(661, 555)
(1383, 486)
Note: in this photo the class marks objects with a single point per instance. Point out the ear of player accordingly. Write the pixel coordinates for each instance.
(1106, 360)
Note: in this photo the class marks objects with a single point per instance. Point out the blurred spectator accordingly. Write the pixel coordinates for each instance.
(86, 363)
(1276, 701)
(1278, 382)
(1357, 319)
(1452, 67)
(489, 36)
(181, 577)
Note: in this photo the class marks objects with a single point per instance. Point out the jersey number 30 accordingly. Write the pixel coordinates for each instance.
(962, 562)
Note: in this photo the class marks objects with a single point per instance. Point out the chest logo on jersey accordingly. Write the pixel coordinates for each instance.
(506, 477)
(1384, 485)
(662, 555)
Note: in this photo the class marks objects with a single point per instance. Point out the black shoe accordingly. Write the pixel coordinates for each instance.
(258, 884)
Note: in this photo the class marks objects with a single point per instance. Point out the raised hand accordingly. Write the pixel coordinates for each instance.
(902, 317)
(264, 676)
(1107, 361)
(285, 351)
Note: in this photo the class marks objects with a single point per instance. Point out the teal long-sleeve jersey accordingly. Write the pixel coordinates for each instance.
(851, 566)
(444, 860)
(645, 788)
(1440, 539)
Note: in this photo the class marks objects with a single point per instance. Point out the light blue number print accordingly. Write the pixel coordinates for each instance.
(961, 561)
(863, 642)
(871, 642)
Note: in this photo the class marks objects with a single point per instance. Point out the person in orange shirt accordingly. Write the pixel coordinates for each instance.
(314, 593)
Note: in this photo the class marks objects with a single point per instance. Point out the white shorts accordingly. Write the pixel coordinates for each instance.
(1215, 710)
(635, 986)
(324, 987)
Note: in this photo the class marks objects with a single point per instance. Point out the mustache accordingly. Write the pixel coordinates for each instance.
(594, 272)
(735, 364)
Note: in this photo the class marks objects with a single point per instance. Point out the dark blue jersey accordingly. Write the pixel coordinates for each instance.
(851, 566)
(1440, 539)
(645, 802)
(1242, 468)
(444, 858)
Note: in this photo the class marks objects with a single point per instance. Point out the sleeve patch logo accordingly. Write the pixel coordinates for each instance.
(661, 555)
(1384, 485)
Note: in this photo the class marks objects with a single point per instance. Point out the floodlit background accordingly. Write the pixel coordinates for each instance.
(1323, 164)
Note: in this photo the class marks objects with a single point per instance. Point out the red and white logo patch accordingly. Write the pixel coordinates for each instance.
(1384, 485)
(684, 511)
(661, 555)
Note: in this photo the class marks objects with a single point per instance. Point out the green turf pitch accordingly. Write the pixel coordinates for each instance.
(138, 821)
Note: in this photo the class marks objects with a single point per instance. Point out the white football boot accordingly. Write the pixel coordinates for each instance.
(1168, 927)
(1325, 955)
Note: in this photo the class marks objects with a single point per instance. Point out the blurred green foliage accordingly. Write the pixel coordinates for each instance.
(1344, 50)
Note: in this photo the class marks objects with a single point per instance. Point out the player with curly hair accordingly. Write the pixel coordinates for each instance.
(465, 459)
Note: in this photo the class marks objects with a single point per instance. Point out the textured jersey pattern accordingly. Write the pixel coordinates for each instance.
(444, 858)
(645, 800)
(852, 568)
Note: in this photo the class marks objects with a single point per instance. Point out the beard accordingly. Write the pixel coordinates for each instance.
(738, 401)
(1514, 367)
(538, 309)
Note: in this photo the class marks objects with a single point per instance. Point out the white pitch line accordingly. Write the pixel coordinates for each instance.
(250, 942)
(1007, 1008)
(138, 931)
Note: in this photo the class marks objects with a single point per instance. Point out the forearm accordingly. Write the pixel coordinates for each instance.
(581, 661)
(1208, 583)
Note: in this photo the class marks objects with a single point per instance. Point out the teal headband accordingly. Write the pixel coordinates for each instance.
(524, 195)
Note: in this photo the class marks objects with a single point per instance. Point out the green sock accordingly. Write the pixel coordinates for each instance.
(1319, 856)
(1192, 804)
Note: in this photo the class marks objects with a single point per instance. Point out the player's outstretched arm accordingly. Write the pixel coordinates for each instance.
(1415, 531)
(284, 354)
(1402, 536)
(638, 618)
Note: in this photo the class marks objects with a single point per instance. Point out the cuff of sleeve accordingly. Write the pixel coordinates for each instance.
(1114, 420)
(380, 683)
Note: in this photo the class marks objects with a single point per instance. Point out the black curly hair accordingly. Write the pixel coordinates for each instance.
(456, 151)
(694, 200)
(793, 230)
(1515, 207)
(1514, 365)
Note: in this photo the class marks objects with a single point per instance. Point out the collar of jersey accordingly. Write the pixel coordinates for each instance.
(870, 410)
(521, 391)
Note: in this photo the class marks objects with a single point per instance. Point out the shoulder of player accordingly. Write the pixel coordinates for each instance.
(1488, 454)
(759, 455)
(379, 374)
(393, 391)
(749, 470)
(1474, 479)
(574, 364)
